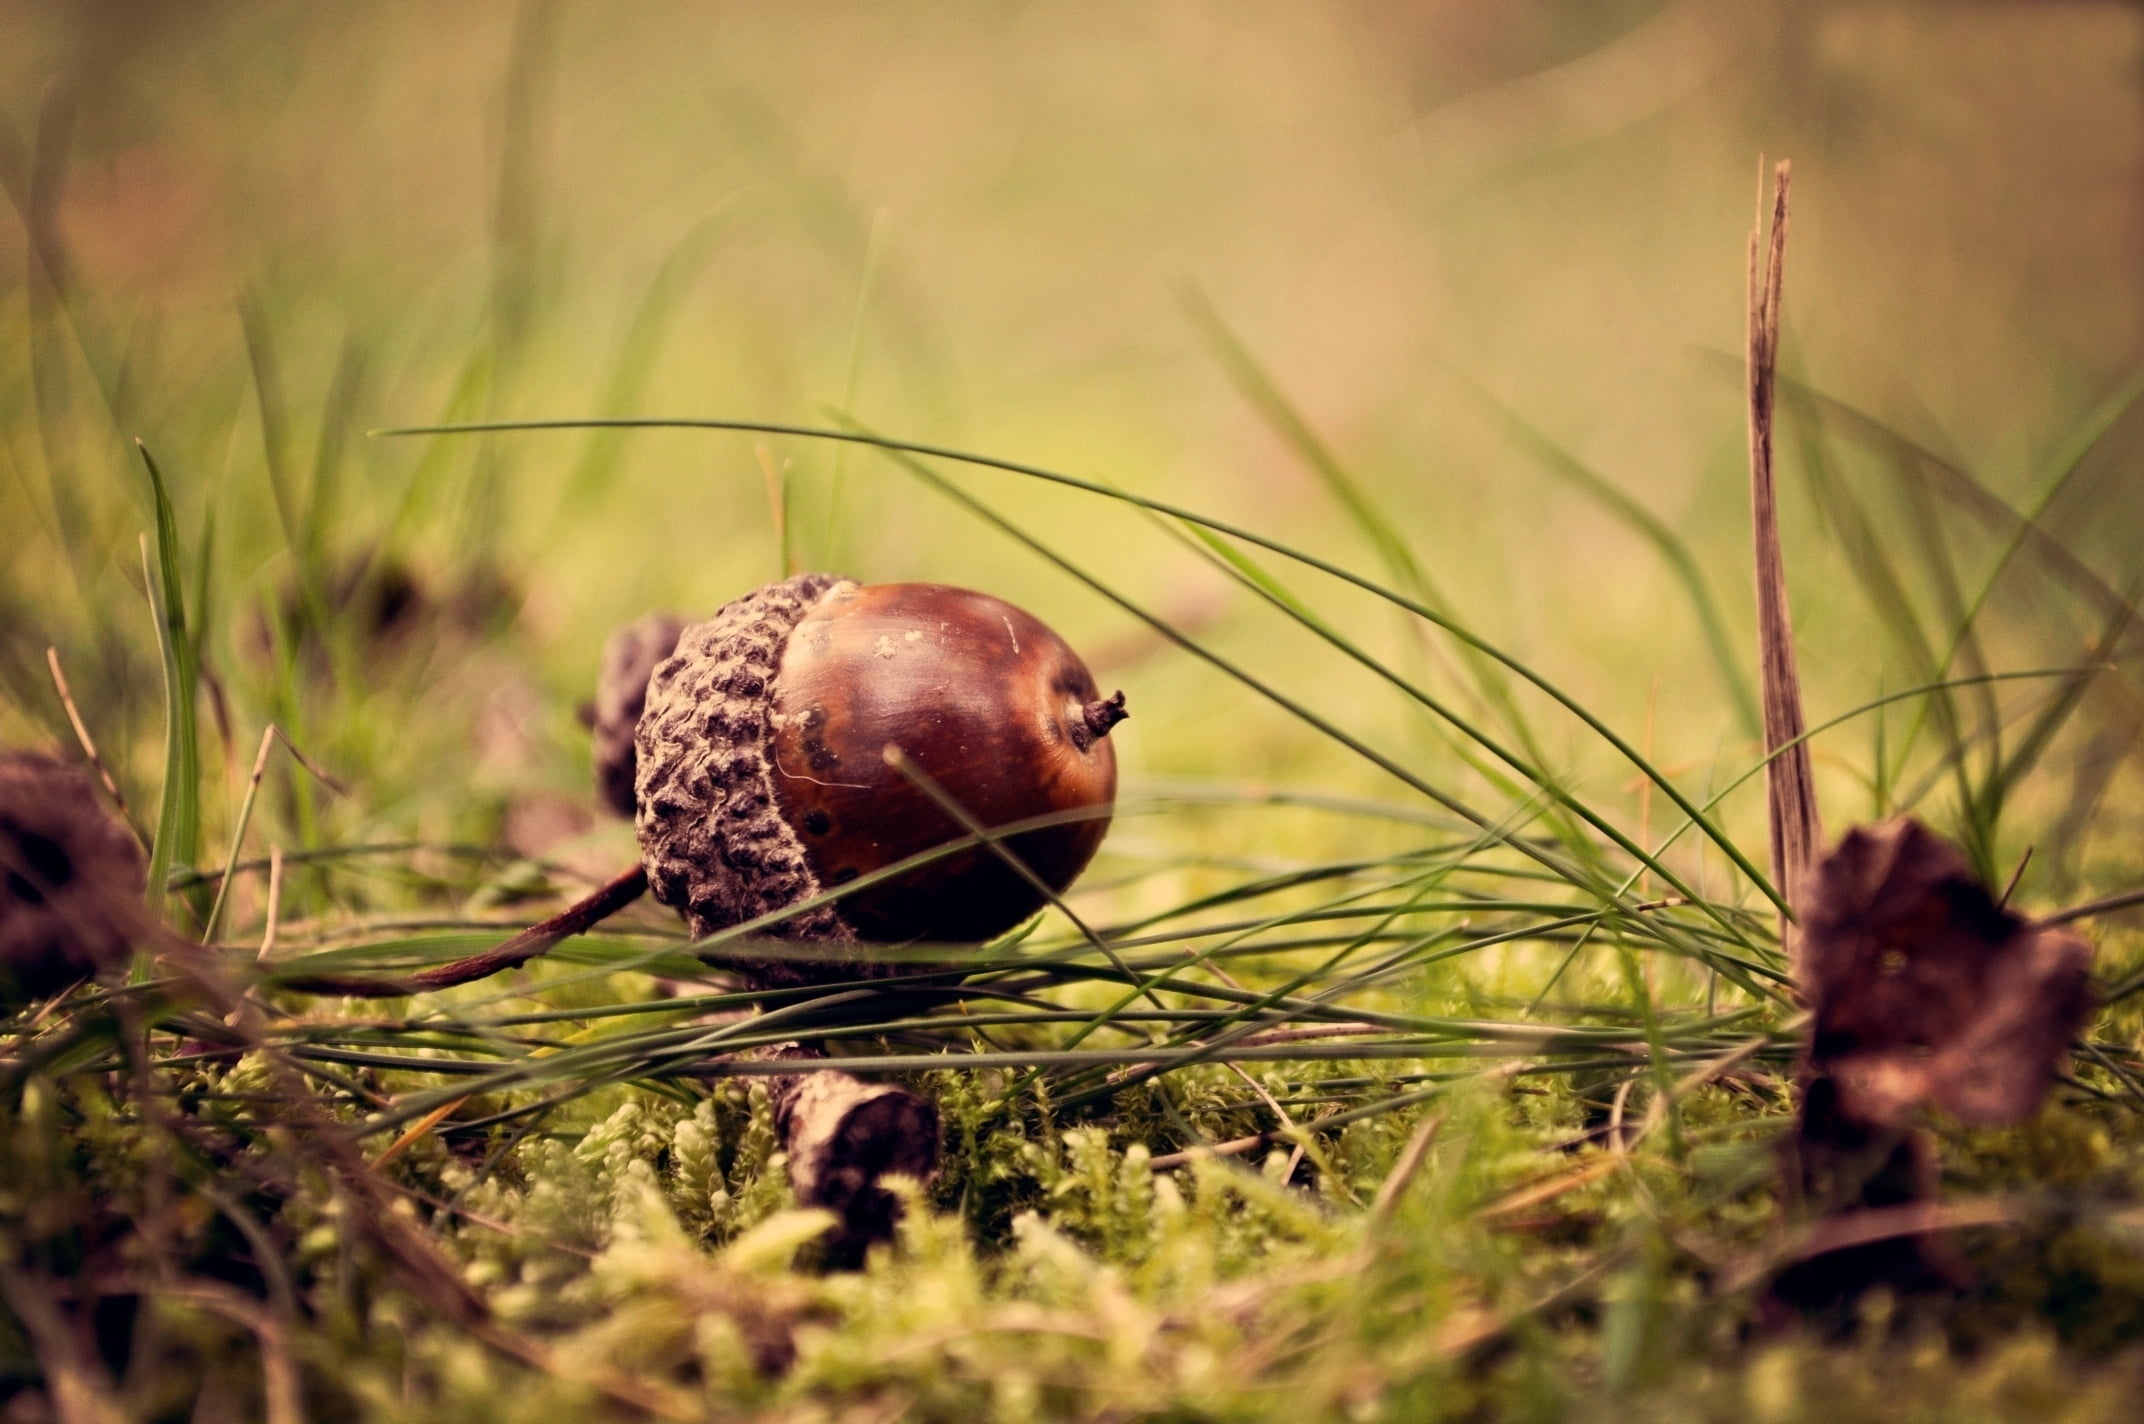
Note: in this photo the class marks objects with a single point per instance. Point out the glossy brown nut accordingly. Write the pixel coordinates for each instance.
(984, 700)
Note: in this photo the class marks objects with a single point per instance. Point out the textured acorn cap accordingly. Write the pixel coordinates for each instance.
(629, 660)
(711, 832)
(71, 879)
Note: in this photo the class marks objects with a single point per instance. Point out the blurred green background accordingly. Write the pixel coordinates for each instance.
(249, 233)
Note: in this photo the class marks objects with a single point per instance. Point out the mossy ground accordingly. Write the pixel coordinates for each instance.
(1450, 278)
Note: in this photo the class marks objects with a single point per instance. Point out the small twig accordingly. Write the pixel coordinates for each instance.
(1797, 831)
(89, 744)
(416, 1132)
(1215, 968)
(1234, 1147)
(1617, 1142)
(2015, 876)
(1313, 1031)
(1286, 1121)
(275, 900)
(539, 939)
(1548, 1189)
(1403, 1172)
(238, 835)
(2092, 908)
(270, 735)
(1260, 1089)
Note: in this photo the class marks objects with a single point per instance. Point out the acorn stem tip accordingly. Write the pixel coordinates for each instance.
(1097, 717)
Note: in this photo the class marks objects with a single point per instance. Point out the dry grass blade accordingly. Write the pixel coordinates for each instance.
(1796, 827)
(1403, 1172)
(89, 744)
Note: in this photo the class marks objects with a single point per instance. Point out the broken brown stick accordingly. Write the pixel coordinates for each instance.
(540, 938)
(844, 1137)
(1797, 829)
(532, 943)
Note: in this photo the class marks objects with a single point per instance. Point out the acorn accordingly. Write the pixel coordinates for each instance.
(762, 776)
(71, 880)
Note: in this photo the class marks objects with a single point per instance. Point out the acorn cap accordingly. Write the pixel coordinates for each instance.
(711, 832)
(71, 880)
(629, 660)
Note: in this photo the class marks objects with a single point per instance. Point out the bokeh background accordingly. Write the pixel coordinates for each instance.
(1453, 235)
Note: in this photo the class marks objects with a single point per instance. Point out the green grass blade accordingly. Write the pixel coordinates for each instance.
(275, 426)
(346, 388)
(1265, 397)
(1648, 526)
(1257, 387)
(178, 820)
(630, 368)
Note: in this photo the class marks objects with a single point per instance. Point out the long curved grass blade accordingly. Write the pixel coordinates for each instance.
(1647, 525)
(1869, 558)
(1577, 875)
(1967, 493)
(178, 819)
(1265, 396)
(1241, 568)
(1988, 805)
(643, 341)
(1623, 748)
(1257, 387)
(1556, 794)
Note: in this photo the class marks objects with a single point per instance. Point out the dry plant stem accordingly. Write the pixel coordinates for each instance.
(1409, 1165)
(270, 735)
(1288, 1123)
(416, 1132)
(1797, 829)
(1234, 1147)
(89, 745)
(2127, 899)
(275, 901)
(539, 939)
(238, 836)
(2010, 885)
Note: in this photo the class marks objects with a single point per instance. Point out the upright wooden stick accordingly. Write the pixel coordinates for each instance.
(1797, 830)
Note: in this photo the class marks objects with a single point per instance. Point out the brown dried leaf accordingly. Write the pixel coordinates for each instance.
(71, 880)
(1925, 990)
